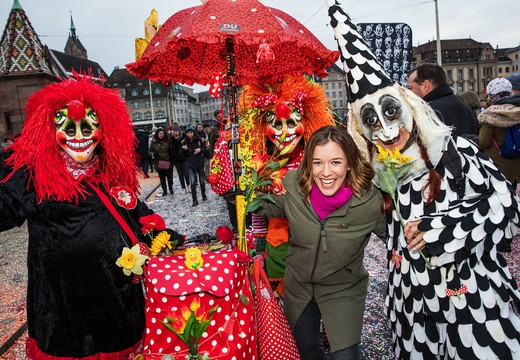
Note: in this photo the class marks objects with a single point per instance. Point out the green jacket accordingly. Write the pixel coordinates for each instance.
(325, 259)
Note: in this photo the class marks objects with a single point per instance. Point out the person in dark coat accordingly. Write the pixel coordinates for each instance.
(161, 147)
(142, 151)
(429, 82)
(193, 148)
(74, 156)
(179, 158)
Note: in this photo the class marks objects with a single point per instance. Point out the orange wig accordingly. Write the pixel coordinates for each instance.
(257, 100)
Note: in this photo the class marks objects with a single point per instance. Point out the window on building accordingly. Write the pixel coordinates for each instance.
(340, 94)
(471, 86)
(327, 94)
(159, 114)
(487, 71)
(157, 91)
(334, 104)
(341, 103)
(507, 69)
(448, 73)
(136, 116)
(459, 73)
(122, 93)
(500, 70)
(333, 85)
(146, 91)
(471, 73)
(146, 103)
(148, 115)
(135, 105)
(159, 102)
(326, 85)
(333, 94)
(135, 92)
(460, 87)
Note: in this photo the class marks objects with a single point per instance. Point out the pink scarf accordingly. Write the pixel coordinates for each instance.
(325, 205)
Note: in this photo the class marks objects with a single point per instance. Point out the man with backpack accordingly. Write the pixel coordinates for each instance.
(500, 123)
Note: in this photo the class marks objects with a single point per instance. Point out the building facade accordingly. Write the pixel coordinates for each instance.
(469, 64)
(153, 104)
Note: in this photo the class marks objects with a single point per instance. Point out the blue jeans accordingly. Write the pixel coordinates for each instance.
(192, 174)
(308, 337)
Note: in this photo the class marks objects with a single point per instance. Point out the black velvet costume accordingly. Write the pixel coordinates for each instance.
(77, 298)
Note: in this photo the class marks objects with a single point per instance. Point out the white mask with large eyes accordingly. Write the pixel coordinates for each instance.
(77, 131)
(383, 118)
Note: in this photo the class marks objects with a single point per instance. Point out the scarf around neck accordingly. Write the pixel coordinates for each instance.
(326, 205)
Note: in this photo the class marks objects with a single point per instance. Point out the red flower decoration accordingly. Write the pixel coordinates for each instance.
(243, 257)
(225, 234)
(213, 179)
(152, 222)
(124, 197)
(396, 259)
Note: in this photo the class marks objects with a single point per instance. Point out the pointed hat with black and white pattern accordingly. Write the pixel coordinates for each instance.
(364, 73)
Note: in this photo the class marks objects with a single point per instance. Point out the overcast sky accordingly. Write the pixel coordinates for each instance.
(107, 28)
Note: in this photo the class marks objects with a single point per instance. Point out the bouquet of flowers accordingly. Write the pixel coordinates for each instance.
(189, 325)
(133, 259)
(396, 165)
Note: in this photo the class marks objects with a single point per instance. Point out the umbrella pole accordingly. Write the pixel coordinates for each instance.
(235, 139)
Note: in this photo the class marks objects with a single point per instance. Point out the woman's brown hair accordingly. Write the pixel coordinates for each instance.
(361, 172)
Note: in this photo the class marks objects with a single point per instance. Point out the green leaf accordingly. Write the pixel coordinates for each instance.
(244, 299)
(402, 170)
(387, 181)
(253, 205)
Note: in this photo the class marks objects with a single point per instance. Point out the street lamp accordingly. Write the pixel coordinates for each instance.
(439, 55)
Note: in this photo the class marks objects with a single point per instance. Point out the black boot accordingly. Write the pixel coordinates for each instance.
(171, 189)
(164, 192)
(195, 203)
(203, 192)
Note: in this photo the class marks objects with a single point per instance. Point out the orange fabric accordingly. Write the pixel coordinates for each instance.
(277, 231)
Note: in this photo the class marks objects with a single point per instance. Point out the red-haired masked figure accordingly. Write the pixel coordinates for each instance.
(77, 136)
(286, 114)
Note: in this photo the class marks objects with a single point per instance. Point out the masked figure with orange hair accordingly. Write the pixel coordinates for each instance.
(285, 114)
(76, 149)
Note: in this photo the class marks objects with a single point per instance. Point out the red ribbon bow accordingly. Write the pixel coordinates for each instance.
(396, 259)
(457, 292)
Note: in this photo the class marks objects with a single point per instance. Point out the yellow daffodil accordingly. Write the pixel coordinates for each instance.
(160, 242)
(131, 261)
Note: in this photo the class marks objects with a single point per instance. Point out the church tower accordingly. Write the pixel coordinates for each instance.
(74, 47)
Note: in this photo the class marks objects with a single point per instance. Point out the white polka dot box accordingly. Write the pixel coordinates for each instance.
(222, 281)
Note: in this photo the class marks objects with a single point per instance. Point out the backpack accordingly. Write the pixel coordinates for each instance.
(511, 147)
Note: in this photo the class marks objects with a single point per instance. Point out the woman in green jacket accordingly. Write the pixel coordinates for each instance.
(332, 208)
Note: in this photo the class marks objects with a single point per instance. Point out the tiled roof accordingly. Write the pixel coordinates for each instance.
(21, 51)
(78, 64)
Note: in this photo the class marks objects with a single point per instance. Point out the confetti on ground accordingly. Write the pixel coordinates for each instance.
(180, 216)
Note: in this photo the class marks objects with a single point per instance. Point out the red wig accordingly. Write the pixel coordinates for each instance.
(37, 150)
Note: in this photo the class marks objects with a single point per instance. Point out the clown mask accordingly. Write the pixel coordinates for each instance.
(384, 118)
(77, 131)
(285, 127)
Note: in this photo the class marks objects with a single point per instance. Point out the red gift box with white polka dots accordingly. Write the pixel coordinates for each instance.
(222, 281)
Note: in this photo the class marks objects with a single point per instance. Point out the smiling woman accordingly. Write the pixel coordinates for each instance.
(332, 208)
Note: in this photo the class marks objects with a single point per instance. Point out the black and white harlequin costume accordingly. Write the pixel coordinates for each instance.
(463, 227)
(460, 305)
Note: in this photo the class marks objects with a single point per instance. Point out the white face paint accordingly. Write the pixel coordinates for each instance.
(384, 118)
(77, 131)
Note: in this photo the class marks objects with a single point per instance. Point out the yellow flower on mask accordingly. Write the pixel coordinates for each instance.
(131, 261)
